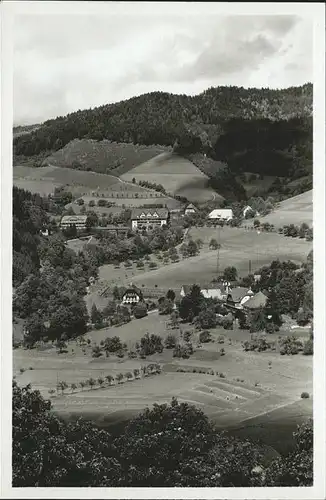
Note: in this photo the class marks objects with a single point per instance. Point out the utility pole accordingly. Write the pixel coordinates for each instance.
(218, 251)
(258, 233)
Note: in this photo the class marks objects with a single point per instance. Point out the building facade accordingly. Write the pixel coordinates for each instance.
(132, 296)
(143, 218)
(190, 209)
(73, 220)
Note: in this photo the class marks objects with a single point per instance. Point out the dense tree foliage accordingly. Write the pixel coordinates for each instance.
(29, 218)
(49, 452)
(162, 118)
(50, 299)
(165, 446)
(112, 248)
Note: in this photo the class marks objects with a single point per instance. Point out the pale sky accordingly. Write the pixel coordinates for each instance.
(63, 63)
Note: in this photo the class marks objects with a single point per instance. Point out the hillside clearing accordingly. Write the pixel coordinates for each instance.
(239, 246)
(176, 174)
(295, 210)
(104, 157)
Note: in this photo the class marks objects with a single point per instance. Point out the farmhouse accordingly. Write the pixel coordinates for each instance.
(190, 209)
(142, 218)
(236, 297)
(79, 221)
(247, 210)
(132, 296)
(221, 214)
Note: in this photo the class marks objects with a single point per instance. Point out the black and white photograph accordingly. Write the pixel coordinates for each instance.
(163, 254)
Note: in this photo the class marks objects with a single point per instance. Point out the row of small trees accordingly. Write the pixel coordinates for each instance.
(108, 380)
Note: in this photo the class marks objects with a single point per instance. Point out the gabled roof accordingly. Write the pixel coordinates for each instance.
(191, 206)
(258, 300)
(186, 288)
(162, 213)
(238, 293)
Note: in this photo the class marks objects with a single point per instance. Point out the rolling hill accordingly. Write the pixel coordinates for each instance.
(177, 175)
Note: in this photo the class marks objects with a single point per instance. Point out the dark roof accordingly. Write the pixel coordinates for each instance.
(258, 300)
(238, 293)
(162, 213)
(133, 290)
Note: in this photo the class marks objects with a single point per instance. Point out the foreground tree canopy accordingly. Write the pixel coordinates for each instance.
(168, 445)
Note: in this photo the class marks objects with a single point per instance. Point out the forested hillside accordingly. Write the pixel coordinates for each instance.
(29, 217)
(265, 131)
(161, 118)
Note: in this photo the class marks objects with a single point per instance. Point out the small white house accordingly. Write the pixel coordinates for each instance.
(190, 209)
(247, 209)
(221, 214)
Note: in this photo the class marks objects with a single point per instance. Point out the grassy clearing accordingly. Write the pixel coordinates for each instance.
(104, 156)
(89, 186)
(295, 210)
(239, 246)
(178, 176)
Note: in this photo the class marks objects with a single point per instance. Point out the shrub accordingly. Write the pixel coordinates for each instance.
(308, 347)
(170, 341)
(207, 318)
(290, 345)
(222, 375)
(303, 317)
(140, 311)
(187, 336)
(182, 351)
(305, 395)
(165, 306)
(205, 337)
(256, 343)
(150, 344)
(132, 354)
(96, 352)
(227, 323)
(113, 344)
